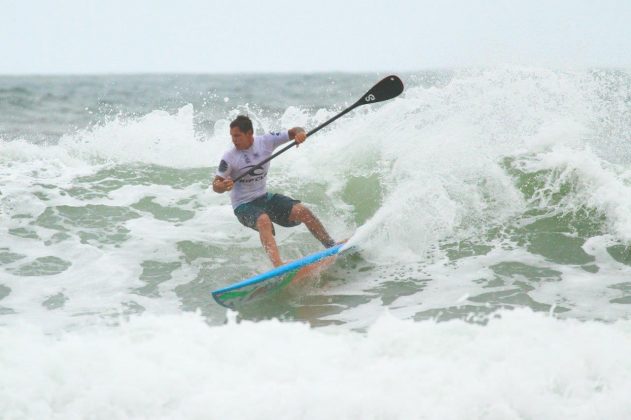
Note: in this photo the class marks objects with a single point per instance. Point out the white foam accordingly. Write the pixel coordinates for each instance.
(158, 138)
(597, 184)
(520, 365)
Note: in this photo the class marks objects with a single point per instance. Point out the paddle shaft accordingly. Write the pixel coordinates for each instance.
(289, 146)
(386, 89)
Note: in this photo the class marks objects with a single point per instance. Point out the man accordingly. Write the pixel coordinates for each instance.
(252, 204)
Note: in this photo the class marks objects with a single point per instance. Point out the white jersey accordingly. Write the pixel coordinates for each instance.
(236, 162)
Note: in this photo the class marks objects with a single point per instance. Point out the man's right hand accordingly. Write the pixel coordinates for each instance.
(221, 185)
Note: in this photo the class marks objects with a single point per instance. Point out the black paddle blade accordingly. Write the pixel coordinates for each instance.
(387, 88)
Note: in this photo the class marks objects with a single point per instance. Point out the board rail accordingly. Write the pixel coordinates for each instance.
(253, 287)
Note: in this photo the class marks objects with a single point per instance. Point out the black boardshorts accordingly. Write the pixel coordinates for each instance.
(277, 206)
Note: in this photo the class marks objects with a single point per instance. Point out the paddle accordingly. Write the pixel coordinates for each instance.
(388, 88)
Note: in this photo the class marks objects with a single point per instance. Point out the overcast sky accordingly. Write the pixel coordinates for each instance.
(212, 36)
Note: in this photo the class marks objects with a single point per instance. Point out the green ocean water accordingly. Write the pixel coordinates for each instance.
(475, 191)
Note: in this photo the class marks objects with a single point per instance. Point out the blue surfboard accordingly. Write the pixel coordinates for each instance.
(263, 284)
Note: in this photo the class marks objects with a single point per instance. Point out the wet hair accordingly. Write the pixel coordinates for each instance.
(243, 122)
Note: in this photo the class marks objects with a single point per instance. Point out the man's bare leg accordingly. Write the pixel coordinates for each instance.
(264, 226)
(300, 213)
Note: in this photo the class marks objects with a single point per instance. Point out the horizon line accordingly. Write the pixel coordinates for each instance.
(313, 72)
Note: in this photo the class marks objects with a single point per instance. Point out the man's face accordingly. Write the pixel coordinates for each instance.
(241, 140)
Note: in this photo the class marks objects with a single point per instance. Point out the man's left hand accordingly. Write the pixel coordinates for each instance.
(301, 136)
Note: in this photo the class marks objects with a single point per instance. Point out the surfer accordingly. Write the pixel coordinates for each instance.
(253, 205)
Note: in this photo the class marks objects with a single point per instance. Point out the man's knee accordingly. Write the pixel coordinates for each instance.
(300, 213)
(264, 222)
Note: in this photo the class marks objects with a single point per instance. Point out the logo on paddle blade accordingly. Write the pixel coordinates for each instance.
(369, 98)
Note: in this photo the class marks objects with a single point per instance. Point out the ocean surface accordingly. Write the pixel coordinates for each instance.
(491, 207)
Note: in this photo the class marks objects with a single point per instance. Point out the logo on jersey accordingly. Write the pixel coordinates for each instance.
(254, 170)
(369, 98)
(223, 166)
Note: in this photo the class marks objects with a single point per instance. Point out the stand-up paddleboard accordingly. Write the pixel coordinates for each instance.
(262, 285)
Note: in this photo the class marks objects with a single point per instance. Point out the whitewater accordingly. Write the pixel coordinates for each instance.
(491, 206)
